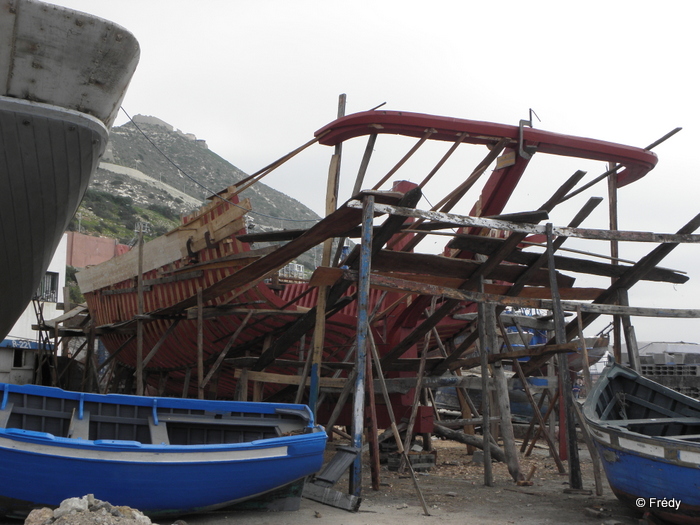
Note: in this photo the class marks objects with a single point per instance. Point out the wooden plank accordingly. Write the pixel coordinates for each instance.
(532, 229)
(160, 342)
(410, 286)
(510, 245)
(158, 252)
(305, 323)
(455, 269)
(488, 245)
(211, 312)
(330, 496)
(226, 348)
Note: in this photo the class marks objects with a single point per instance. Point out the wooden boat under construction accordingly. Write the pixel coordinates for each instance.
(63, 75)
(212, 318)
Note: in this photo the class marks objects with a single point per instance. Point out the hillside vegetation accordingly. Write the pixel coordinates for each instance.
(142, 178)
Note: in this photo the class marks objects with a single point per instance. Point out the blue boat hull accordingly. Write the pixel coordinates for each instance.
(632, 477)
(157, 486)
(185, 456)
(648, 439)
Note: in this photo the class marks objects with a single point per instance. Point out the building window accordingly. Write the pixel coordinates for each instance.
(48, 288)
(18, 358)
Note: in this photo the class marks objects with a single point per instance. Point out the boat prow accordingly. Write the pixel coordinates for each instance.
(63, 75)
(648, 437)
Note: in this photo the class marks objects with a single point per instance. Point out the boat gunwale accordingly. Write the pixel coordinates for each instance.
(618, 427)
(637, 160)
(46, 110)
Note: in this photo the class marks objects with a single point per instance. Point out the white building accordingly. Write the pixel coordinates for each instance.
(19, 349)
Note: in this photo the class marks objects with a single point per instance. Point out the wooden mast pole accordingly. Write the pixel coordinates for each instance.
(320, 325)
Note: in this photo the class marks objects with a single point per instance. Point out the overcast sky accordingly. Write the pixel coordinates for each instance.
(255, 79)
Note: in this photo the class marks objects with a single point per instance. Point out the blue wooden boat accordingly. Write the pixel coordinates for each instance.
(648, 437)
(163, 456)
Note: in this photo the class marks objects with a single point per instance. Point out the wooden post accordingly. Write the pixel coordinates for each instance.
(186, 382)
(320, 326)
(139, 322)
(372, 430)
(630, 335)
(362, 330)
(584, 352)
(550, 413)
(392, 418)
(615, 255)
(242, 386)
(567, 421)
(595, 457)
(416, 402)
(535, 407)
(485, 406)
(200, 345)
(501, 387)
(257, 391)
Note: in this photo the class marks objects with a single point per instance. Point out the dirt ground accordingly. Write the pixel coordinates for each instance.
(455, 494)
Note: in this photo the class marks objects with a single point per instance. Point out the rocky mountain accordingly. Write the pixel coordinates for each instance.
(153, 172)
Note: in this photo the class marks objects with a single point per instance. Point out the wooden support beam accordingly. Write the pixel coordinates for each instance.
(485, 398)
(392, 418)
(362, 336)
(160, 342)
(548, 350)
(186, 382)
(534, 229)
(566, 420)
(404, 285)
(449, 202)
(372, 428)
(225, 350)
(584, 353)
(405, 158)
(470, 284)
(595, 457)
(535, 408)
(501, 384)
(416, 402)
(630, 335)
(294, 332)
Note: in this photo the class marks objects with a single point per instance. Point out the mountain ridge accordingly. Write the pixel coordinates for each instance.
(153, 172)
